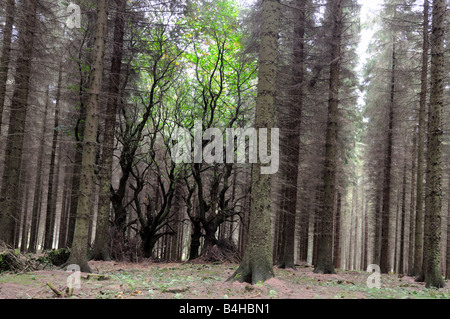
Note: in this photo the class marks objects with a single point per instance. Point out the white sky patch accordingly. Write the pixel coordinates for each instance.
(369, 8)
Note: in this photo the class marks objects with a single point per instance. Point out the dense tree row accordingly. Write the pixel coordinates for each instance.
(202, 129)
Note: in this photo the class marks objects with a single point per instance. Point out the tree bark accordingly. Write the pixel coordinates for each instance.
(52, 190)
(101, 251)
(35, 215)
(24, 235)
(433, 276)
(10, 197)
(412, 208)
(257, 263)
(418, 240)
(325, 245)
(447, 270)
(291, 143)
(79, 249)
(401, 267)
(6, 54)
(337, 231)
(377, 237)
(195, 239)
(385, 254)
(62, 240)
(366, 236)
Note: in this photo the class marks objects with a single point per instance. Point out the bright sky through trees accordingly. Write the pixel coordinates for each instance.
(368, 9)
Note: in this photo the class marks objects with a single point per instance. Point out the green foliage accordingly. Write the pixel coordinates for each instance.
(206, 73)
(273, 294)
(56, 257)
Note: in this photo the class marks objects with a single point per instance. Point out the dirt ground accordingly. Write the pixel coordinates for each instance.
(152, 280)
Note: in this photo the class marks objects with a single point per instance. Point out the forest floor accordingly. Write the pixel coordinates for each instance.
(154, 280)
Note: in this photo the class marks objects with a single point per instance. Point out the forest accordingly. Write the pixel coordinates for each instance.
(269, 148)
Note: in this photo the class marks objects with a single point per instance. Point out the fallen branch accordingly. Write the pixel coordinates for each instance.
(55, 291)
(14, 261)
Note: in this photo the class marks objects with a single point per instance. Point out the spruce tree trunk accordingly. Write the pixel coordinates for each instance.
(24, 238)
(79, 130)
(79, 249)
(52, 193)
(62, 239)
(75, 189)
(366, 236)
(292, 126)
(433, 276)
(412, 208)
(337, 232)
(447, 270)
(418, 240)
(257, 263)
(385, 254)
(401, 268)
(377, 237)
(325, 243)
(35, 215)
(6, 54)
(355, 237)
(10, 196)
(304, 229)
(101, 251)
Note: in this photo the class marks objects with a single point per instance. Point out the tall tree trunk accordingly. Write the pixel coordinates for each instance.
(79, 131)
(377, 237)
(412, 208)
(35, 215)
(396, 228)
(79, 249)
(350, 234)
(385, 255)
(355, 238)
(325, 252)
(366, 236)
(447, 268)
(433, 276)
(418, 240)
(304, 229)
(101, 251)
(401, 267)
(6, 54)
(279, 229)
(10, 197)
(337, 232)
(62, 239)
(257, 263)
(75, 189)
(25, 223)
(316, 230)
(292, 126)
(52, 190)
